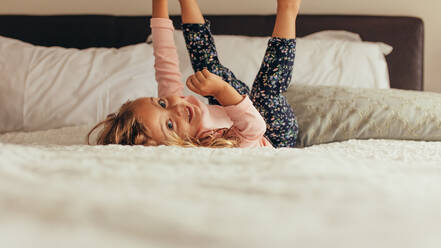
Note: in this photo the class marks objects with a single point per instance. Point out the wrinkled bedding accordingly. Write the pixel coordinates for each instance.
(55, 191)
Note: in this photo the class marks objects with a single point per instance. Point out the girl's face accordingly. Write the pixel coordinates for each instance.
(161, 116)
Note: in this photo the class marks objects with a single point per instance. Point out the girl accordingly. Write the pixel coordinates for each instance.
(230, 120)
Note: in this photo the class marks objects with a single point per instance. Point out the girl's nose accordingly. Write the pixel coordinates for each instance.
(179, 110)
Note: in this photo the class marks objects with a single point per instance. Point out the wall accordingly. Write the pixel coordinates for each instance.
(428, 10)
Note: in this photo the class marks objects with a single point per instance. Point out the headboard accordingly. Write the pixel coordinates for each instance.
(405, 34)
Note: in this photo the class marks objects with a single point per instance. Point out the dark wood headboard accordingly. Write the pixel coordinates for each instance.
(405, 34)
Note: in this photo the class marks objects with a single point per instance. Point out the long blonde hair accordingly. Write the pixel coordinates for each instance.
(123, 128)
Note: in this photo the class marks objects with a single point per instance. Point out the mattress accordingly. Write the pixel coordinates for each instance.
(55, 191)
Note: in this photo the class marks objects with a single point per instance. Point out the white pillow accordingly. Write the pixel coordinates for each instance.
(50, 87)
(348, 36)
(334, 58)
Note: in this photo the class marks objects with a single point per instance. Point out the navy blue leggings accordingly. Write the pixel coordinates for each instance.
(271, 81)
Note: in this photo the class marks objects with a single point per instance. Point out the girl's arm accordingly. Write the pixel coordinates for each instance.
(167, 71)
(249, 125)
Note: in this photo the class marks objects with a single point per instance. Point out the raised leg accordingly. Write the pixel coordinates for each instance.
(274, 78)
(285, 26)
(201, 47)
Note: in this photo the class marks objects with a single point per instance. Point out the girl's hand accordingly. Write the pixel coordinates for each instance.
(206, 83)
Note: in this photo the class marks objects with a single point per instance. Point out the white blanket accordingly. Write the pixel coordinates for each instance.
(57, 192)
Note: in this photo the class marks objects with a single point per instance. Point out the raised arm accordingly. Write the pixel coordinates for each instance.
(167, 71)
(248, 124)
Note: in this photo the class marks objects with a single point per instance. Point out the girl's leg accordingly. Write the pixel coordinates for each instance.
(285, 26)
(201, 47)
(274, 77)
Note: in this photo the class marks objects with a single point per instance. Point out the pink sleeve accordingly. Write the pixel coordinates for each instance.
(167, 71)
(249, 124)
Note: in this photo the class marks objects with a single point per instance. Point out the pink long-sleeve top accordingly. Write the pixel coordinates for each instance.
(243, 118)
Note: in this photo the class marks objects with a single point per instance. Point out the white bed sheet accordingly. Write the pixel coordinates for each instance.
(57, 192)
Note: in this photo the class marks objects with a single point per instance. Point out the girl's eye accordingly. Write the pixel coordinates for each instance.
(161, 103)
(170, 124)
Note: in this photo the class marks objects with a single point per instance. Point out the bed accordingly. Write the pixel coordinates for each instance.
(360, 183)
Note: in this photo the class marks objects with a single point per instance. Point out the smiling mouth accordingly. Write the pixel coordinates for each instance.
(190, 113)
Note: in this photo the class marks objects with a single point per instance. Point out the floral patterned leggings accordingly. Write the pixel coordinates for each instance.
(271, 81)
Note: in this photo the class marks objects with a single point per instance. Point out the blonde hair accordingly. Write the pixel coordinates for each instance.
(123, 128)
(226, 139)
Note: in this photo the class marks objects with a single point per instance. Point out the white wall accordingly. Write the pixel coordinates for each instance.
(428, 10)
